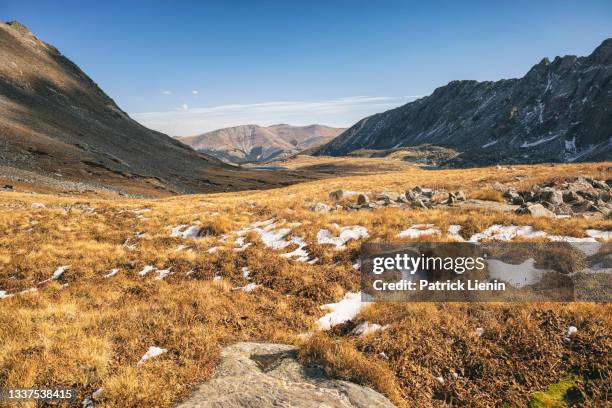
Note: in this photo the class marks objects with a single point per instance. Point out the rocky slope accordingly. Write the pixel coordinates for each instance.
(253, 143)
(55, 122)
(560, 111)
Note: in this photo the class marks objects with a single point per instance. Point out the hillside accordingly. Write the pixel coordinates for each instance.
(58, 128)
(253, 143)
(560, 111)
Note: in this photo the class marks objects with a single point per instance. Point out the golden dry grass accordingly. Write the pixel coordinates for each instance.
(92, 332)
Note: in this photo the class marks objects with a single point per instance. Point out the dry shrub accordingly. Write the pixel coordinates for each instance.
(340, 359)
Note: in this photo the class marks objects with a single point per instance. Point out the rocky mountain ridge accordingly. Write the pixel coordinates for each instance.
(560, 111)
(253, 143)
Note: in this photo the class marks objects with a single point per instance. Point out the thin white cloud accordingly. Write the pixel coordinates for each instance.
(342, 112)
(166, 92)
(194, 92)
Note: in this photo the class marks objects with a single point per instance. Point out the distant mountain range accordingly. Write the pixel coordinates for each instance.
(253, 143)
(58, 125)
(560, 111)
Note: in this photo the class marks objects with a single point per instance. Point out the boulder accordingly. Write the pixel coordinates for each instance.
(387, 196)
(571, 197)
(599, 184)
(261, 375)
(341, 194)
(536, 210)
(439, 197)
(362, 199)
(321, 207)
(550, 195)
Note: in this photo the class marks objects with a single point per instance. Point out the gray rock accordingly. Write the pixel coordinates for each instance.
(362, 199)
(260, 375)
(536, 210)
(388, 195)
(340, 194)
(571, 197)
(321, 207)
(460, 196)
(599, 184)
(551, 195)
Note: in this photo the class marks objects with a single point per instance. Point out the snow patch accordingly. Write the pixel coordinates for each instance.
(347, 234)
(153, 351)
(419, 230)
(366, 328)
(342, 311)
(112, 273)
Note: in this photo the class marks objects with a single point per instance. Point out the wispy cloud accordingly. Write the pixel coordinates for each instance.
(195, 92)
(166, 92)
(183, 108)
(342, 112)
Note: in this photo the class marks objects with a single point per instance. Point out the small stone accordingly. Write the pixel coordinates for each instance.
(599, 184)
(536, 210)
(8, 187)
(479, 331)
(362, 199)
(571, 197)
(460, 196)
(38, 205)
(321, 207)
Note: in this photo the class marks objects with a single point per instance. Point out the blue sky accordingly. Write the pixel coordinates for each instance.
(331, 62)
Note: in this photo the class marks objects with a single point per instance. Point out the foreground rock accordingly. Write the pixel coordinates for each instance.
(260, 375)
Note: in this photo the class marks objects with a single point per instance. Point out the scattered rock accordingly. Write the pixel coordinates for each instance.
(7, 187)
(362, 199)
(321, 207)
(535, 210)
(38, 205)
(341, 194)
(269, 375)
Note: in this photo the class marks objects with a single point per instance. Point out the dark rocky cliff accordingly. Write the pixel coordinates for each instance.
(560, 111)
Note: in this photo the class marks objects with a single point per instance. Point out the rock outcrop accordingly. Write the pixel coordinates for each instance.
(560, 111)
(260, 375)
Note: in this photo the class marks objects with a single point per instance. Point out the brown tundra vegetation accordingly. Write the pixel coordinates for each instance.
(89, 284)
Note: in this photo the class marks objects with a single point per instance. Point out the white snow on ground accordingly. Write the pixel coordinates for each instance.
(540, 141)
(516, 275)
(162, 273)
(605, 235)
(248, 288)
(112, 273)
(275, 239)
(453, 232)
(153, 351)
(418, 230)
(146, 270)
(347, 234)
(341, 312)
(300, 254)
(507, 233)
(59, 272)
(489, 144)
(366, 328)
(4, 294)
(240, 244)
(184, 231)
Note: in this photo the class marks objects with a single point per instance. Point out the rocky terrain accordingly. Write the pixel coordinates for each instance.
(56, 123)
(560, 111)
(269, 375)
(253, 143)
(585, 197)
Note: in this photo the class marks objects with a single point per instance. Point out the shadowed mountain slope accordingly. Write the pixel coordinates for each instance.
(56, 123)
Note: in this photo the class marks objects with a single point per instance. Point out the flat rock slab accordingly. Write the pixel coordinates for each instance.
(260, 375)
(486, 205)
